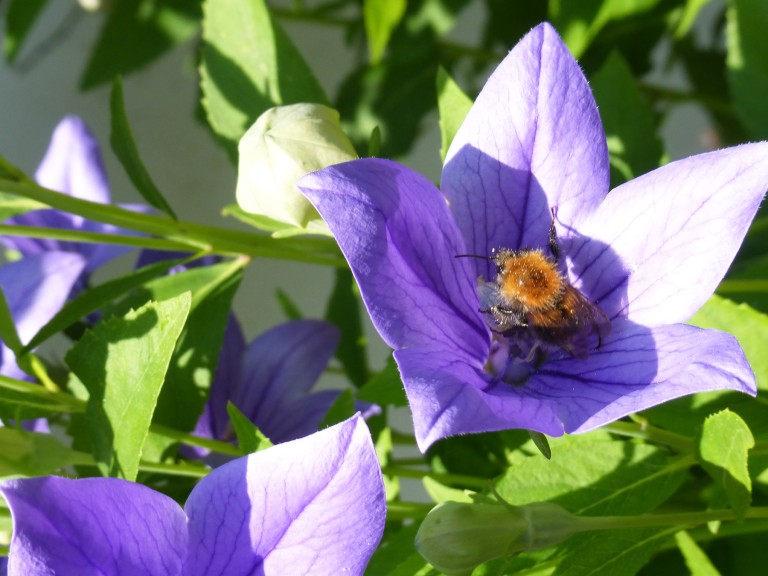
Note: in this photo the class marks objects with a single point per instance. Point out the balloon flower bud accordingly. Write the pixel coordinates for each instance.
(457, 537)
(284, 144)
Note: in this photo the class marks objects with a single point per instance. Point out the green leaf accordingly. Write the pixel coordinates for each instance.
(124, 147)
(749, 326)
(248, 65)
(397, 556)
(137, 32)
(582, 476)
(723, 450)
(19, 19)
(452, 105)
(94, 298)
(385, 387)
(342, 409)
(123, 362)
(32, 454)
(197, 351)
(288, 306)
(381, 17)
(249, 437)
(14, 173)
(344, 311)
(628, 119)
(747, 60)
(695, 559)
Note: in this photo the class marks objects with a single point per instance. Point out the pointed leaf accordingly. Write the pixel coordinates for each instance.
(249, 437)
(124, 147)
(123, 362)
(381, 18)
(248, 65)
(723, 449)
(452, 105)
(385, 387)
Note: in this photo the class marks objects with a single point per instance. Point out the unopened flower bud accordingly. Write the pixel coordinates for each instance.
(457, 537)
(284, 144)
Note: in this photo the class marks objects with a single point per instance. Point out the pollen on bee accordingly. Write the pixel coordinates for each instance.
(530, 278)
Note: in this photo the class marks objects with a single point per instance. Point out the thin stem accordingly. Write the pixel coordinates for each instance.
(192, 440)
(177, 469)
(196, 237)
(407, 510)
(92, 237)
(472, 481)
(645, 431)
(661, 520)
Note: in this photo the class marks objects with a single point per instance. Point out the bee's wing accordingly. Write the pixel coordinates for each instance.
(588, 327)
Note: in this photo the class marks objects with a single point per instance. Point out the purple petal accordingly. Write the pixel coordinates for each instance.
(401, 242)
(639, 367)
(226, 380)
(658, 246)
(532, 140)
(311, 506)
(279, 367)
(449, 397)
(73, 164)
(99, 526)
(35, 289)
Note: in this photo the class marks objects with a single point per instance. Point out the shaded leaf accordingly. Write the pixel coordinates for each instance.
(628, 119)
(20, 400)
(385, 387)
(747, 45)
(21, 15)
(344, 311)
(137, 32)
(342, 409)
(32, 454)
(695, 559)
(123, 362)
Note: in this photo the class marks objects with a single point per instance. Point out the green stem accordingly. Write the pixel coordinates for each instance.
(208, 443)
(177, 469)
(407, 510)
(92, 237)
(196, 237)
(678, 442)
(473, 481)
(662, 520)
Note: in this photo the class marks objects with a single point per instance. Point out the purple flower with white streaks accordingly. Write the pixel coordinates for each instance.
(648, 254)
(270, 381)
(72, 165)
(312, 506)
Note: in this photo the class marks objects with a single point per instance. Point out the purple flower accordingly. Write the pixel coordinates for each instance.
(35, 288)
(72, 165)
(312, 506)
(269, 380)
(648, 254)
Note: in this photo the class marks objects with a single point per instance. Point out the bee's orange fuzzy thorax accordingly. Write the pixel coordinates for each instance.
(531, 279)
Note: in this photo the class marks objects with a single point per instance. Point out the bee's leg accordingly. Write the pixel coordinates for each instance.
(553, 247)
(532, 352)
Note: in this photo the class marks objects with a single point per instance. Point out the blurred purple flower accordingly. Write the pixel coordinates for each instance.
(72, 165)
(35, 288)
(270, 380)
(650, 253)
(312, 506)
